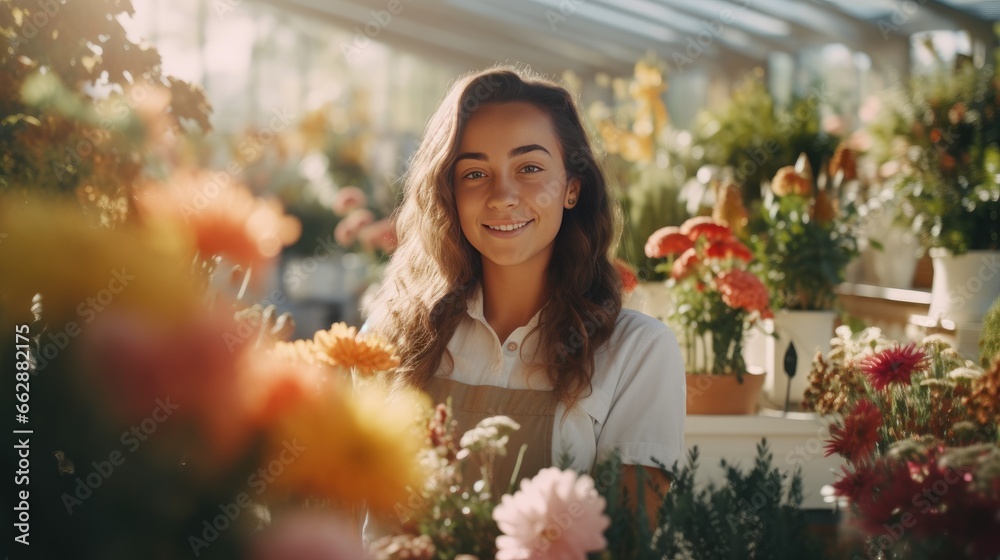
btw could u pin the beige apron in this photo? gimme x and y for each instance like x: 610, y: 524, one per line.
x: 534, y: 410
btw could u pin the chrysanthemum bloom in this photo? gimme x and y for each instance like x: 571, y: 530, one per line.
x: 629, y: 279
x: 340, y: 346
x: 743, y: 290
x: 224, y: 217
x: 685, y: 264
x: 348, y: 199
x: 856, y: 439
x: 893, y: 365
x: 556, y: 515
x: 667, y: 241
x: 704, y: 226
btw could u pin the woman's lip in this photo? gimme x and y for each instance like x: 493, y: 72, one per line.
x: 501, y: 233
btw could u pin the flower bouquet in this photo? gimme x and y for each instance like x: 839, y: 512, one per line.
x: 918, y: 428
x: 802, y: 241
x: 716, y: 297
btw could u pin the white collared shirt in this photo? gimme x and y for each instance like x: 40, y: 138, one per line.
x: 637, y: 404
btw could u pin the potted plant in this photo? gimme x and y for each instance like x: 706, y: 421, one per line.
x: 918, y: 426
x: 716, y: 299
x: 942, y: 139
x: 803, y: 247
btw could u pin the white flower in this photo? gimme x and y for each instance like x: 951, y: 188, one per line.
x: 490, y: 434
x: 964, y: 373
x: 557, y: 515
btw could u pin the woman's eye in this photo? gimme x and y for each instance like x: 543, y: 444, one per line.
x: 530, y: 168
x: 474, y: 175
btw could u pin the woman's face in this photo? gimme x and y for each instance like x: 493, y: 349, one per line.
x: 510, y: 184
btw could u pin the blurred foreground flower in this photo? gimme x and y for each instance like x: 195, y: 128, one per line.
x: 224, y: 217
x: 351, y: 448
x: 556, y: 515
x: 140, y: 268
x: 307, y: 536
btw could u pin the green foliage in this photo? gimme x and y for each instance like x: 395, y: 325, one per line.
x: 755, y: 137
x: 755, y: 514
x: 803, y: 258
x: 989, y: 343
x: 944, y: 131
x: 78, y: 101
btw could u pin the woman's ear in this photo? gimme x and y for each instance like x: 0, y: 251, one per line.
x: 572, y: 193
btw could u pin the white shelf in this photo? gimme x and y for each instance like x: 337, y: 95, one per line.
x: 796, y: 441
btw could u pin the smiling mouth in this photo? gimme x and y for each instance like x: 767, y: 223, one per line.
x: 510, y: 227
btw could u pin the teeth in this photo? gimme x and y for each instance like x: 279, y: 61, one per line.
x: 508, y: 228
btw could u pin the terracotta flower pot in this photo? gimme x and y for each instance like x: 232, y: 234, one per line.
x: 722, y: 394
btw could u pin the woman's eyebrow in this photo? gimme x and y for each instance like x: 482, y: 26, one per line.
x: 518, y: 151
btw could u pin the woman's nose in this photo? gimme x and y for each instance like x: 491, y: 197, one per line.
x: 503, y: 193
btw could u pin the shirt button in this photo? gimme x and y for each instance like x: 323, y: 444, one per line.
x: 512, y: 346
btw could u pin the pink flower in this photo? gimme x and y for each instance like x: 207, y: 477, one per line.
x: 557, y: 515
x: 307, y: 536
x: 379, y: 235
x: 346, y: 232
x: 348, y: 199
x: 893, y: 365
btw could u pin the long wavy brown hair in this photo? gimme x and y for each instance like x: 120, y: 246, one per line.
x: 434, y: 270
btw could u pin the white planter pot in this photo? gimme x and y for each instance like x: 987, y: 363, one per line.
x: 810, y: 332
x: 964, y: 286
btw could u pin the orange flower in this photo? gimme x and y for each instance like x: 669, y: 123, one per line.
x: 347, y: 446
x: 629, y: 279
x: 341, y: 346
x: 742, y: 289
x: 788, y: 181
x: 667, y: 241
x: 225, y: 218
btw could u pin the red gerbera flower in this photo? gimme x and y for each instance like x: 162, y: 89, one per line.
x: 629, y: 279
x: 729, y: 248
x: 703, y: 226
x: 856, y: 439
x: 684, y: 264
x: 893, y: 365
x: 667, y: 241
x: 856, y: 486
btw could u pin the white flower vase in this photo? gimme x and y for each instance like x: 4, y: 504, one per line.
x: 964, y: 286
x: 809, y: 332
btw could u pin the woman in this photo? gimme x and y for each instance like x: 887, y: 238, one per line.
x: 502, y: 294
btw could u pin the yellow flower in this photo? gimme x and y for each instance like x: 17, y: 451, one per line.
x: 295, y: 351
x: 341, y: 346
x: 347, y: 447
x: 50, y: 247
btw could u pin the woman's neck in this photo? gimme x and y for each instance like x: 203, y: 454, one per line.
x: 511, y: 296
